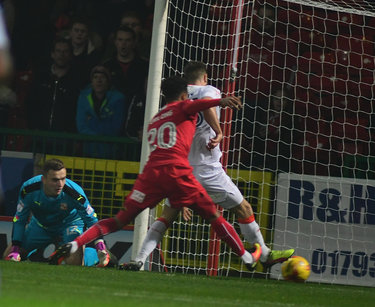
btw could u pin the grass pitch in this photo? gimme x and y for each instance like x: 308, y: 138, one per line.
x: 39, y: 284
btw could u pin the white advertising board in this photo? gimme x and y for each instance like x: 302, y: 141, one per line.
x: 331, y: 222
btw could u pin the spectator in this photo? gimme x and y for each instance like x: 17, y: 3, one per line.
x: 133, y: 20
x: 274, y: 133
x: 100, y: 111
x: 135, y: 116
x: 8, y: 100
x: 128, y: 70
x: 51, y: 102
x: 86, y: 46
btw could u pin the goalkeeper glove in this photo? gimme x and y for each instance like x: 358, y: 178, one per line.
x: 14, y: 254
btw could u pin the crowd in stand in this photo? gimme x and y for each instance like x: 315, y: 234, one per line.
x: 80, y: 66
x: 90, y: 59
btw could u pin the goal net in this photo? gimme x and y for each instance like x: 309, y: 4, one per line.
x: 301, y: 148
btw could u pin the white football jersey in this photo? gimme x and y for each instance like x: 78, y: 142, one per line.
x: 199, y: 154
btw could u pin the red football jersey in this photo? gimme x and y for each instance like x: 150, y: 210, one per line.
x: 171, y: 130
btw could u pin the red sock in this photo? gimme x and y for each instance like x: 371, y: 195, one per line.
x: 228, y: 234
x: 247, y: 220
x: 101, y: 228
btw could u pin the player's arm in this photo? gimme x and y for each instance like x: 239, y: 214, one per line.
x: 89, y: 217
x: 195, y: 106
x: 84, y: 209
x: 19, y: 223
x: 211, y: 118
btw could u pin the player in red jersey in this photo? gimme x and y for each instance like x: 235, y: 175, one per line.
x: 169, y: 174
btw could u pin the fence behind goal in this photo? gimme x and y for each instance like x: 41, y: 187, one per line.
x: 305, y: 70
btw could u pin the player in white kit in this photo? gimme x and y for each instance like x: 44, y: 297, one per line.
x: 204, y: 157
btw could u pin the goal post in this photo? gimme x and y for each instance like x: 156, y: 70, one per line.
x: 301, y: 150
x: 152, y: 106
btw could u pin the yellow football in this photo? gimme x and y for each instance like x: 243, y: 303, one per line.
x: 296, y: 269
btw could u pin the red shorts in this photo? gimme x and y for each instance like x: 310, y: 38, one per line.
x: 177, y: 183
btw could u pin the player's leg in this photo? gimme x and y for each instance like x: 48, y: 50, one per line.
x: 249, y: 227
x: 156, y: 233
x: 101, y: 228
x: 226, y: 232
x: 135, y: 203
x: 189, y: 192
x: 18, y: 253
x: 251, y: 231
x: 226, y: 194
x: 103, y: 257
x: 70, y: 231
x: 35, y: 239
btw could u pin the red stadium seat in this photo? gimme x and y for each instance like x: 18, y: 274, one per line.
x: 355, y: 44
x: 348, y: 23
x: 363, y: 88
x: 324, y: 84
x: 257, y: 70
x: 311, y: 40
x: 317, y: 62
x: 351, y: 129
x: 354, y: 63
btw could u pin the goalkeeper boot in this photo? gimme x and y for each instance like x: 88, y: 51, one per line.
x: 256, y: 252
x: 58, y: 256
x: 14, y: 254
x: 103, y: 254
x: 131, y: 266
x: 276, y: 256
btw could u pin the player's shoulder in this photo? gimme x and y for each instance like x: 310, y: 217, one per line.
x: 75, y: 191
x: 200, y: 91
x: 31, y: 185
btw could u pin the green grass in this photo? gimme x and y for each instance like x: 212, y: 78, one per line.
x: 38, y: 284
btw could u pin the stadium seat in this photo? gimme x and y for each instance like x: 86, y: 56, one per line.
x: 351, y: 129
x: 354, y: 44
x: 363, y: 88
x: 317, y: 62
x: 257, y: 70
x: 311, y: 40
x: 325, y: 84
x: 354, y: 63
x: 304, y: 17
x: 347, y: 23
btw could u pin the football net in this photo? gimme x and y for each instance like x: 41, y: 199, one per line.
x: 300, y: 149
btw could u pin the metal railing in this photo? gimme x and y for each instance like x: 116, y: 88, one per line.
x: 68, y: 144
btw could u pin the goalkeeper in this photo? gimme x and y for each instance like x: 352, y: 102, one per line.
x: 204, y: 157
x: 59, y: 209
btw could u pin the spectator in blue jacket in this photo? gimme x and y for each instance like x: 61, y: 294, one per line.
x: 101, y: 110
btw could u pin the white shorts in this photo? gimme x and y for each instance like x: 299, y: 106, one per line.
x: 218, y: 185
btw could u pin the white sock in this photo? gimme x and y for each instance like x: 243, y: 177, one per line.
x: 74, y: 247
x: 153, y: 237
x: 252, y: 234
x: 247, y: 258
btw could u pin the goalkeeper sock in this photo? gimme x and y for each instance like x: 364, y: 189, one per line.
x: 153, y: 237
x: 228, y: 234
x: 99, y: 245
x: 251, y: 232
x: 101, y: 228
